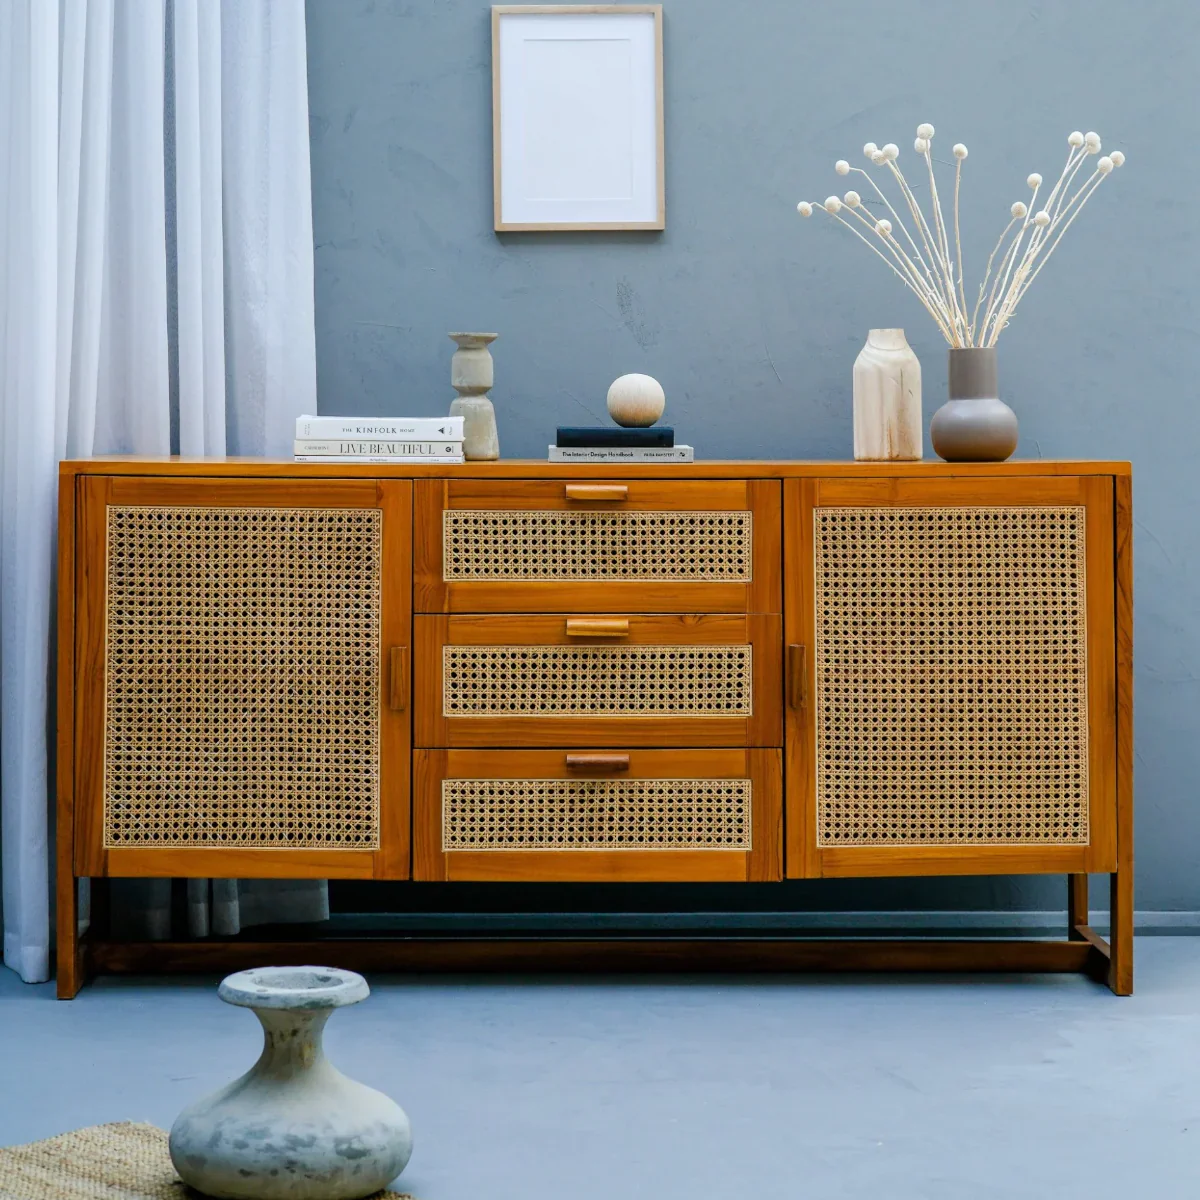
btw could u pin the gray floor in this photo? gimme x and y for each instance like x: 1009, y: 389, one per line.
x: 699, y: 1088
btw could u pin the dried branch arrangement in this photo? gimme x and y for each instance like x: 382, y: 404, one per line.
x: 931, y: 270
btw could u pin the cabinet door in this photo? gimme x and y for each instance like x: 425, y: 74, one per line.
x: 951, y: 676
x: 241, y: 677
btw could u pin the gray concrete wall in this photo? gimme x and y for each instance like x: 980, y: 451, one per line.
x: 751, y: 318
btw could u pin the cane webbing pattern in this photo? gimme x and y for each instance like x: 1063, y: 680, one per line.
x: 586, y: 814
x: 243, y: 677
x: 596, y: 681
x: 951, y: 681
x: 512, y: 545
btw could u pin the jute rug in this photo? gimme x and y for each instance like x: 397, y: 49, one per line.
x: 123, y: 1161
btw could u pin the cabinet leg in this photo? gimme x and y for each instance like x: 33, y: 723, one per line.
x: 1077, y: 904
x: 1120, y: 934
x: 69, y: 970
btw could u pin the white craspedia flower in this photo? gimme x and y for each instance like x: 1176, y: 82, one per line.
x: 921, y: 145
x: 960, y: 151
x: 879, y: 158
x: 925, y: 130
x: 883, y: 228
x: 832, y: 204
x: 852, y: 199
x: 1041, y: 218
x: 869, y: 150
x: 842, y: 167
x: 1092, y: 142
x: 804, y: 208
x: 1118, y: 159
x: 1019, y: 209
x: 891, y: 151
x: 1075, y: 139
x: 1034, y: 181
x: 1104, y: 165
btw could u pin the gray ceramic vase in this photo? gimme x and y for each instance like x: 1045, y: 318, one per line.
x: 974, y: 425
x: 293, y: 1127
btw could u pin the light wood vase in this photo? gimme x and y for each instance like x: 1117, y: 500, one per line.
x: 887, y: 399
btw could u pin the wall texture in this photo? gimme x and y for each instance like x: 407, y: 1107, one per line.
x: 751, y: 318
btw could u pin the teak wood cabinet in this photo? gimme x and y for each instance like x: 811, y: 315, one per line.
x: 523, y: 672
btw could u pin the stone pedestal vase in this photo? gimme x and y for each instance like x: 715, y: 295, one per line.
x: 293, y: 1127
x: 471, y: 377
x: 974, y: 425
x: 887, y: 399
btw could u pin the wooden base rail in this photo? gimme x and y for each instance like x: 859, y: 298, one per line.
x: 628, y: 954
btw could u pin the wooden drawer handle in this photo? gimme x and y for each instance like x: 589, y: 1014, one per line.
x: 797, y: 676
x: 398, y: 679
x: 597, y: 627
x: 598, y: 762
x: 597, y: 491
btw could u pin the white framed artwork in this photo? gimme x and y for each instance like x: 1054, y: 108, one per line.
x: 577, y: 116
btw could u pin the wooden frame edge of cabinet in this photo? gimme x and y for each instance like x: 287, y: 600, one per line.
x: 517, y: 468
x: 69, y: 966
x: 1121, y: 881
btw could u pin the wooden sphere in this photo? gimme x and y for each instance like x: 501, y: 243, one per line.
x: 636, y: 400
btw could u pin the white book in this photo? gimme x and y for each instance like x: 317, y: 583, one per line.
x: 620, y: 454
x: 375, y: 447
x: 422, y: 428
x: 378, y: 458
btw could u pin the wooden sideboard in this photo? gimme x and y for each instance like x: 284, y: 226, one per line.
x: 518, y: 671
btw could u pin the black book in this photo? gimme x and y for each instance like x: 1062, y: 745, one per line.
x: 607, y: 436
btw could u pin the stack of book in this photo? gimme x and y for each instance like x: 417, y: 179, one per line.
x: 613, y: 444
x: 379, y: 439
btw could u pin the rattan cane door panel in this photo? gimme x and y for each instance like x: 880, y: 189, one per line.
x: 632, y: 545
x: 563, y: 680
x: 583, y: 815
x: 238, y: 641
x: 958, y: 710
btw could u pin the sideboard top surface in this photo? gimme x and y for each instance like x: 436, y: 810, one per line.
x: 518, y: 468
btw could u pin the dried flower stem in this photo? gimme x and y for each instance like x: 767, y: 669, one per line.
x: 903, y: 262
x: 896, y: 217
x: 1097, y: 177
x: 935, y: 276
x: 1026, y: 274
x: 940, y: 282
x: 962, y: 295
x: 875, y: 250
x: 1001, y: 283
x: 940, y: 226
x: 988, y: 272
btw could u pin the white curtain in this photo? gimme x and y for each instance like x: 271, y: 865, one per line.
x: 156, y: 294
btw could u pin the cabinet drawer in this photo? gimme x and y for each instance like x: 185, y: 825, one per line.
x: 614, y: 815
x: 636, y: 545
x: 562, y: 680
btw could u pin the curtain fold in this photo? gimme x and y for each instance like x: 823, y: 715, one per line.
x: 271, y: 347
x: 199, y: 226
x: 156, y: 294
x: 28, y: 322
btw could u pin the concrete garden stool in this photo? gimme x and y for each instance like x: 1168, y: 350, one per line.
x: 293, y: 1127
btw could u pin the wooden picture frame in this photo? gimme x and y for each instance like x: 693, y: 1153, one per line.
x: 577, y: 125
